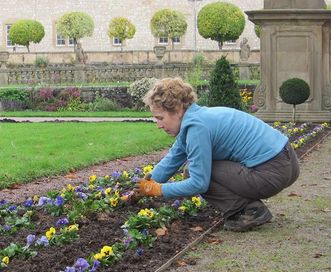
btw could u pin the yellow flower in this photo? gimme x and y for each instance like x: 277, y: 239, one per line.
x: 276, y: 124
x: 147, y: 169
x: 125, y: 174
x: 182, y: 208
x: 296, y: 129
x: 107, y: 191
x: 92, y: 178
x: 99, y: 256
x: 91, y: 186
x: 70, y: 187
x: 172, y: 179
x: 142, y: 213
x: 113, y: 201
x: 146, y: 212
x: 302, y: 140
x: 50, y: 233
x: 106, y: 177
x: 73, y: 227
x: 35, y: 198
x: 196, y: 201
x: 5, y: 260
x: 107, y: 250
x: 117, y: 193
x: 98, y: 195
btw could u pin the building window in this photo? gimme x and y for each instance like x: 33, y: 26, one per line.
x: 60, y: 40
x: 71, y: 41
x: 8, y: 41
x: 163, y: 40
x: 231, y: 42
x: 117, y: 41
x: 176, y: 40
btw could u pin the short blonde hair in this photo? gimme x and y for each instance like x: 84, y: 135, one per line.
x: 169, y: 94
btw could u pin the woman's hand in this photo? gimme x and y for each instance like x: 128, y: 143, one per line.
x: 148, y: 187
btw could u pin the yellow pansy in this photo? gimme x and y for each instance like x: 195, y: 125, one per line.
x: 182, y: 208
x: 146, y: 212
x: 99, y: 256
x: 70, y: 187
x: 142, y: 213
x: 35, y: 198
x: 91, y: 186
x: 196, y: 201
x: 125, y: 174
x: 73, y: 227
x: 92, y: 178
x: 107, y: 250
x: 50, y: 233
x: 98, y: 195
x: 5, y: 260
x: 107, y: 191
x: 113, y: 201
x: 117, y: 193
x: 147, y: 169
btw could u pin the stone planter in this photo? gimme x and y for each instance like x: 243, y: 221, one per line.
x: 4, y: 56
x: 159, y: 53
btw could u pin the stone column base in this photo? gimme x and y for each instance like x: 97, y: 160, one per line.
x: 307, y: 116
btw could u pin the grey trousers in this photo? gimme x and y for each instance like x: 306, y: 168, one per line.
x: 233, y: 186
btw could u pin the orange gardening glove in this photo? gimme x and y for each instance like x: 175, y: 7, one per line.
x: 148, y: 187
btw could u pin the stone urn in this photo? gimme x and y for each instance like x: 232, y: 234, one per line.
x: 4, y: 55
x: 159, y: 53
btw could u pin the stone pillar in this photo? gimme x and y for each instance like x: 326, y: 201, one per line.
x: 295, y: 42
x: 79, y: 73
x: 4, y: 55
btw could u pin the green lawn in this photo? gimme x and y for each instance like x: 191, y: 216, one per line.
x: 31, y: 150
x: 74, y: 114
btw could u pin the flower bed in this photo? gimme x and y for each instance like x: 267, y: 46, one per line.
x: 91, y: 227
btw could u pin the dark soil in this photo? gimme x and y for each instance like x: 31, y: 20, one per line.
x: 98, y: 230
x: 104, y: 229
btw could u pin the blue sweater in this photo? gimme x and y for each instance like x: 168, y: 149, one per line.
x: 218, y: 133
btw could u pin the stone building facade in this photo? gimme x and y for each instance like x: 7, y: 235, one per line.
x: 139, y: 12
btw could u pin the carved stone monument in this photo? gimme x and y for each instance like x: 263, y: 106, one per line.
x: 244, y: 54
x: 295, y: 42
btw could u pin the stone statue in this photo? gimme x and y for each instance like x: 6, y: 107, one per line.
x: 245, y: 50
x: 80, y: 54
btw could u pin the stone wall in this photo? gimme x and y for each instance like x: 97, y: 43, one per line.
x: 65, y: 74
x: 131, y: 57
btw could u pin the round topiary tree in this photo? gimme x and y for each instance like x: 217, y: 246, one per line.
x: 294, y: 91
x: 221, y: 22
x: 138, y: 89
x: 223, y: 90
x: 25, y: 31
x: 168, y: 23
x: 75, y: 25
x: 121, y: 28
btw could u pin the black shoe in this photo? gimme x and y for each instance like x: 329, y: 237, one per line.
x: 248, y: 218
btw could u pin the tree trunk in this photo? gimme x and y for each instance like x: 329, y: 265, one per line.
x: 293, y: 114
